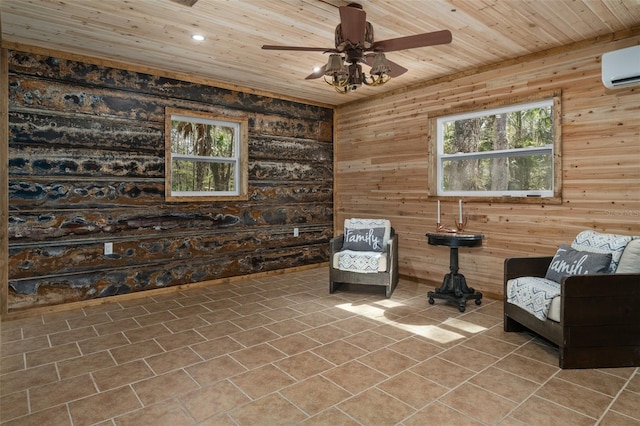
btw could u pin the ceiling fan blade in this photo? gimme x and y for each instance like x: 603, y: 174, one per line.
x: 299, y: 48
x: 395, y: 69
x: 317, y: 74
x: 188, y: 3
x: 353, y: 21
x: 411, y: 42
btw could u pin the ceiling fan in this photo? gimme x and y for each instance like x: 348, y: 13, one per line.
x: 354, y: 45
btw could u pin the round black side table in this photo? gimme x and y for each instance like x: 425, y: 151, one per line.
x: 454, y: 286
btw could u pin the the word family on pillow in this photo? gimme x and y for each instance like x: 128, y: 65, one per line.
x: 363, y: 239
x: 568, y: 261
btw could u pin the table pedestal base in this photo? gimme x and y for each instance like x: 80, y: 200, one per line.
x: 454, y: 288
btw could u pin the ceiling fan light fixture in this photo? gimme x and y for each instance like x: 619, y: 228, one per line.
x: 380, y: 65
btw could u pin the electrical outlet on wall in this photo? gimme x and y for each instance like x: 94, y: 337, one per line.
x: 296, y: 232
x: 108, y: 248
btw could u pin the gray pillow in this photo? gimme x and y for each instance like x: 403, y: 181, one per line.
x: 365, y: 239
x: 568, y: 261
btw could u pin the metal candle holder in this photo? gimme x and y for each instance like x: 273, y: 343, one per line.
x: 459, y: 227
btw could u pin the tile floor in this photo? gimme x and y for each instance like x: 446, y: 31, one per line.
x: 281, y: 350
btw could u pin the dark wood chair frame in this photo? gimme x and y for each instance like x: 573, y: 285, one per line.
x: 388, y: 279
x: 599, y: 316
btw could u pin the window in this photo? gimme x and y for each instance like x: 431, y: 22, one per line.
x: 206, y: 156
x: 506, y: 151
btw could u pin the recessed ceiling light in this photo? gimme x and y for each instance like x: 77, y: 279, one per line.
x: 317, y: 69
x: 197, y: 37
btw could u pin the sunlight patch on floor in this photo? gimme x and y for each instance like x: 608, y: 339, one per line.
x: 432, y: 332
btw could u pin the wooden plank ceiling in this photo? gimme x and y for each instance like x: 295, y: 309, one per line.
x: 157, y: 34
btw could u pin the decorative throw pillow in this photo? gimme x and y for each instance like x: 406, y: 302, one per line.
x: 568, y: 261
x: 363, y: 239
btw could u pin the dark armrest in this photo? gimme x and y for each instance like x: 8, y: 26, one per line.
x: 335, y: 244
x: 597, y: 285
x: 515, y: 267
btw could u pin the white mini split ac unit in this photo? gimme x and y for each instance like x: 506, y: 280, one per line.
x: 621, y: 68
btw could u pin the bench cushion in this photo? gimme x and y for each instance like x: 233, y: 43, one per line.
x: 597, y: 242
x: 360, y: 261
x: 534, y: 294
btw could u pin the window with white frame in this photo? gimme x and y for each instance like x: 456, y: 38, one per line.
x: 508, y: 151
x: 205, y: 156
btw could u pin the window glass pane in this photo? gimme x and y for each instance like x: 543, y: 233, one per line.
x: 506, y: 130
x: 490, y: 152
x: 202, y: 139
x: 189, y: 175
x: 521, y: 173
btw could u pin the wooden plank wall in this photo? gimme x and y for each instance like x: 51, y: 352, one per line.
x: 86, y: 166
x: 382, y: 164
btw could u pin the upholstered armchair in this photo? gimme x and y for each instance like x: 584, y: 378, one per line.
x: 366, y: 253
x: 585, y: 299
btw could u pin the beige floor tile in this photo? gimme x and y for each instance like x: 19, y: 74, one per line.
x: 103, y: 406
x: 116, y: 326
x: 416, y: 348
x: 102, y: 343
x: 539, y: 352
x: 583, y: 400
x: 412, y: 389
x: 527, y: 368
x: 294, y: 344
x: 490, y: 408
x: 303, y: 365
x: 185, y: 323
x: 25, y: 379
x: 24, y: 345
x: 258, y: 355
x: 163, y: 387
x: 72, y: 336
x: 179, y: 340
x: 443, y: 372
x: 13, y: 405
x: 262, y: 381
x: 505, y: 384
x: 128, y: 353
x: 56, y: 416
x: 270, y: 410
x: 213, y: 400
x: 536, y: 411
x: 12, y: 363
x: 215, y: 369
x: 216, y: 347
x: 354, y: 376
x: 339, y: 352
x: 146, y: 333
x: 172, y: 360
x: 121, y: 375
x: 628, y: 403
x: 56, y: 353
x: 60, y: 392
x: 288, y: 327
x: 376, y: 408
x: 332, y: 417
x: 440, y: 414
x: 387, y: 361
x: 44, y: 329
x: 369, y: 341
x: 169, y: 413
x: 315, y: 394
x: 282, y: 350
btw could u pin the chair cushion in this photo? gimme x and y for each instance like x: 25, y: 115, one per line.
x: 534, y: 294
x: 360, y: 261
x: 630, y: 259
x: 355, y: 223
x: 596, y: 242
x: 568, y: 261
